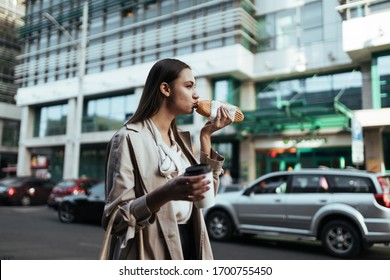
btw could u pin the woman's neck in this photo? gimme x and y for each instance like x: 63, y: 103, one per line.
x: 163, y: 124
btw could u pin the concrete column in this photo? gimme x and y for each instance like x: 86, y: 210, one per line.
x: 373, y: 145
x: 70, y: 134
x: 248, y: 96
x: 247, y: 147
x: 26, y: 132
x: 367, y: 85
x: 247, y: 160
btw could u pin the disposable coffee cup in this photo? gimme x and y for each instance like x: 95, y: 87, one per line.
x: 205, y: 169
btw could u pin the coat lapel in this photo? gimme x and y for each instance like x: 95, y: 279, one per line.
x: 146, y: 155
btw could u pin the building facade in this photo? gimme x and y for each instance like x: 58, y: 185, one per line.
x: 11, y: 13
x: 284, y: 63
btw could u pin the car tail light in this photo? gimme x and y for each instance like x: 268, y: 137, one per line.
x: 384, y: 197
x: 70, y: 190
x: 78, y: 190
x: 11, y: 191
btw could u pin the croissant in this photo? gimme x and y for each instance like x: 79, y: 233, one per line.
x: 206, y: 108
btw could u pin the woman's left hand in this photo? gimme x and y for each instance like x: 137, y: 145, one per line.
x: 222, y: 119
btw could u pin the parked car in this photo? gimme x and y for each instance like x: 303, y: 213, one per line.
x: 87, y: 207
x: 69, y: 187
x: 25, y: 190
x: 346, y: 210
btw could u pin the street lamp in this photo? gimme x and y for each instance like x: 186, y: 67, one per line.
x: 59, y: 27
x: 72, y: 158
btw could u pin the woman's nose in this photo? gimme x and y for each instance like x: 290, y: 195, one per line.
x: 195, y: 95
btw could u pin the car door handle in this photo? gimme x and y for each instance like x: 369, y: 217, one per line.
x: 323, y: 200
x: 278, y: 200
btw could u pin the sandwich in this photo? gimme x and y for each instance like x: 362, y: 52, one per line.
x: 208, y: 109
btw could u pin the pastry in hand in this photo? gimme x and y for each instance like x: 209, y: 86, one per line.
x: 208, y: 109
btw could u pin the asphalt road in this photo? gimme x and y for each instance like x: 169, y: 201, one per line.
x: 35, y: 233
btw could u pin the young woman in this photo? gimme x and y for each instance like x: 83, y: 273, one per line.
x: 150, y: 148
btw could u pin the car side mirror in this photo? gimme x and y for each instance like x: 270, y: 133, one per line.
x: 247, y: 192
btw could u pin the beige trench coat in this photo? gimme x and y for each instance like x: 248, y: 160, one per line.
x: 160, y: 231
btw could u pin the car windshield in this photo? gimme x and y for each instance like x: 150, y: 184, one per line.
x: 97, y: 189
x: 11, y: 181
x: 66, y: 184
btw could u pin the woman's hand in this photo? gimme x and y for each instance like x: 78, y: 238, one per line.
x: 189, y: 188
x: 222, y: 120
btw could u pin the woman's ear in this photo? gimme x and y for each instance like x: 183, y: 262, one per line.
x: 164, y: 88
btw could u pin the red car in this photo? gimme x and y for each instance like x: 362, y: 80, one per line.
x: 69, y: 187
x: 25, y: 190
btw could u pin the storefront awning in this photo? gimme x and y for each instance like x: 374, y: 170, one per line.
x: 296, y: 115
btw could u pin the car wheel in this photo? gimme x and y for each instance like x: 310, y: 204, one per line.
x: 66, y: 213
x: 26, y: 200
x: 219, y: 226
x: 341, y: 239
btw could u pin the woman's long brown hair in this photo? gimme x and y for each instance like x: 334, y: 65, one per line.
x: 166, y: 70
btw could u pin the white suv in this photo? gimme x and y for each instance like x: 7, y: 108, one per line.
x: 347, y: 210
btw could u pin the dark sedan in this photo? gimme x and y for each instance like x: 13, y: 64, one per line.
x: 69, y: 187
x: 25, y: 190
x: 86, y: 207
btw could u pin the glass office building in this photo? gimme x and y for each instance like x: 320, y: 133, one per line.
x: 11, y: 13
x: 84, y: 64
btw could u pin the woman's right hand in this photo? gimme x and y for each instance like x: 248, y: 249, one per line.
x: 189, y: 188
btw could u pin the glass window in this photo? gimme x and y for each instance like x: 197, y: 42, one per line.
x: 351, y: 184
x: 313, y: 90
x: 96, y: 26
x: 311, y: 22
x: 182, y: 4
x: 10, y: 135
x: 54, y: 157
x: 151, y: 10
x: 275, y: 184
x: 51, y: 120
x: 227, y: 90
x: 285, y: 25
x: 43, y: 42
x: 108, y: 113
x: 288, y: 28
x: 309, y: 184
x: 383, y: 63
x: 92, y: 160
x: 166, y: 7
x: 266, y: 30
x: 113, y: 21
x: 111, y: 46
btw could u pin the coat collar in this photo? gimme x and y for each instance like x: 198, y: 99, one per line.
x: 184, y: 135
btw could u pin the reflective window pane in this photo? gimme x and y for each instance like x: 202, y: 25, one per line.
x: 51, y: 120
